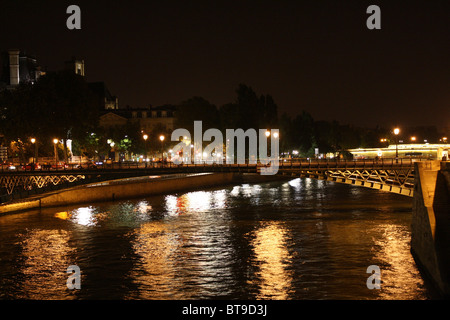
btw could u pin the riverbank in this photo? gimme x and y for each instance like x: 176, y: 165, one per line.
x: 128, y: 188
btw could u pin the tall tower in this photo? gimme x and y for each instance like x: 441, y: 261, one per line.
x: 14, y: 67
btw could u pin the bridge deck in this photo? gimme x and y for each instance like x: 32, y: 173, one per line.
x: 386, y: 174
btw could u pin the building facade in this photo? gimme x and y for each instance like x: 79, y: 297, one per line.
x: 149, y: 119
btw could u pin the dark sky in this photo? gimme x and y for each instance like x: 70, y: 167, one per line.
x: 313, y: 55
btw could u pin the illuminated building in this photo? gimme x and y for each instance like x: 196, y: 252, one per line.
x: 429, y: 151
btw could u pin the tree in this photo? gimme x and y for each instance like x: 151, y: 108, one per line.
x: 268, y: 117
x: 248, y: 108
x: 303, y: 133
x: 196, y: 109
x: 63, y: 107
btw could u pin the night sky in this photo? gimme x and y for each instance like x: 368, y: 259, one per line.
x: 316, y: 56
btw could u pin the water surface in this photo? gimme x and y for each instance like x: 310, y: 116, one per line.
x: 297, y: 239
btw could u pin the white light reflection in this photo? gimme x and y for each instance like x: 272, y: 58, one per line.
x: 235, y: 191
x: 219, y: 197
x: 246, y: 190
x: 199, y: 201
x: 295, y: 184
x: 84, y: 216
x: 143, y: 207
x: 171, y: 205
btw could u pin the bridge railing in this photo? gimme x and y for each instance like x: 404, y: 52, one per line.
x: 334, y: 163
x: 283, y: 163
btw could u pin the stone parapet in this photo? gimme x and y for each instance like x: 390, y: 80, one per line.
x: 430, y: 226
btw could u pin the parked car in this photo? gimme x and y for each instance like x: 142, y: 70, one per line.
x: 46, y: 166
x: 5, y: 166
x: 31, y: 166
x: 60, y: 165
x: 11, y: 167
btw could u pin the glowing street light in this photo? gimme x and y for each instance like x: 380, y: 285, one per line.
x: 396, y: 132
x: 55, y: 142
x: 145, y: 136
x: 33, y: 141
x: 275, y: 135
x: 161, y: 137
x: 267, y: 133
x: 413, y: 138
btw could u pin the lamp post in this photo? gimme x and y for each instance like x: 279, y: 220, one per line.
x: 33, y: 141
x: 161, y: 137
x: 145, y: 148
x: 55, y: 142
x: 267, y: 133
x: 396, y: 132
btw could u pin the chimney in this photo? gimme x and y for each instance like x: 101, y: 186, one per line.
x: 14, y: 67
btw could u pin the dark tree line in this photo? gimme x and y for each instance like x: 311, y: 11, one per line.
x: 301, y: 133
x: 61, y: 105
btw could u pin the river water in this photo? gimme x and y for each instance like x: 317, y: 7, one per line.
x: 293, y: 239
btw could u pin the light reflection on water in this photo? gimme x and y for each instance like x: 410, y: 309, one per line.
x: 300, y: 239
x: 272, y: 257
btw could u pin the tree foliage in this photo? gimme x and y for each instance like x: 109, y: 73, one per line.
x: 60, y: 105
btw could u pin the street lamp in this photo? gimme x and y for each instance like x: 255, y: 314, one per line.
x: 413, y: 138
x: 145, y: 147
x: 267, y: 133
x: 33, y: 141
x: 161, y: 137
x: 55, y: 142
x: 396, y: 132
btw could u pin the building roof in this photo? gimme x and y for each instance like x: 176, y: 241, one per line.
x: 128, y: 112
